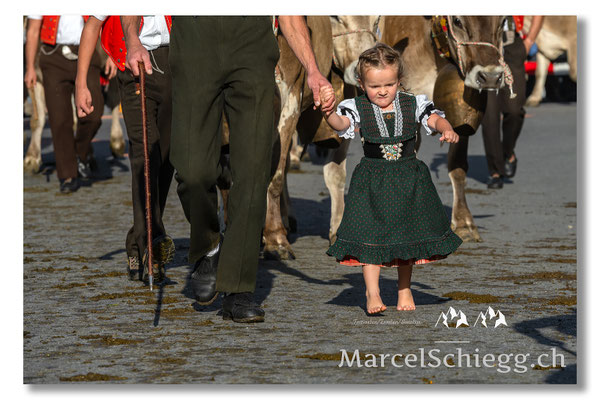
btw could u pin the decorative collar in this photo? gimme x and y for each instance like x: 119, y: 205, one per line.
x: 383, y: 130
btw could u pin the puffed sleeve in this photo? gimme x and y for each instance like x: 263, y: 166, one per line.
x: 425, y: 108
x: 348, y: 109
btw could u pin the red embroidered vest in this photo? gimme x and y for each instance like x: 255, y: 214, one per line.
x: 113, y: 39
x: 518, y: 22
x: 50, y: 28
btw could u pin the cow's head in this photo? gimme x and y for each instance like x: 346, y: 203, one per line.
x: 352, y: 35
x: 475, y: 44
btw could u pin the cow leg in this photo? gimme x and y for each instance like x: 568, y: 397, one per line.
x: 117, y: 143
x: 334, y: 174
x: 295, y: 152
x: 462, y: 220
x: 541, y: 72
x: 33, y: 156
x: 274, y: 234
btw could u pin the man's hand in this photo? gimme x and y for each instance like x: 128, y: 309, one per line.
x: 326, y: 96
x: 295, y: 31
x: 315, y: 82
x: 110, y: 69
x: 137, y: 53
x: 83, y: 101
x: 30, y: 78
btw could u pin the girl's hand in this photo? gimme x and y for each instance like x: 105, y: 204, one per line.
x: 326, y: 95
x: 449, y: 136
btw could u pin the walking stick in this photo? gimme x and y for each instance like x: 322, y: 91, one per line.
x: 146, y: 171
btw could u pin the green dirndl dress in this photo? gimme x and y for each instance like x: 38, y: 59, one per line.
x: 393, y: 214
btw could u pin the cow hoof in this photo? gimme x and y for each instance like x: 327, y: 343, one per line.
x: 468, y: 234
x: 532, y: 102
x: 278, y: 253
x: 332, y: 239
x: 117, y: 148
x: 32, y: 165
x: 294, y: 164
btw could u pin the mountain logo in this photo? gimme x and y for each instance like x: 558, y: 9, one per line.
x: 452, y: 314
x: 491, y: 315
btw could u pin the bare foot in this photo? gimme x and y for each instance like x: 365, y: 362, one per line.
x: 405, y: 300
x: 375, y: 304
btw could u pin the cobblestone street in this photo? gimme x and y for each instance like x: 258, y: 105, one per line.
x: 84, y: 321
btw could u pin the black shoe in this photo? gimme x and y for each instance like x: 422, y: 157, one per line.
x: 510, y: 167
x: 133, y: 268
x: 241, y: 308
x: 495, y: 182
x: 84, y: 171
x: 204, y: 279
x: 163, y: 251
x: 69, y: 185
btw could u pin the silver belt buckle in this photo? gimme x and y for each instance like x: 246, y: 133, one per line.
x: 68, y: 54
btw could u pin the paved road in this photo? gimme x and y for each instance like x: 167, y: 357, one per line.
x: 84, y: 321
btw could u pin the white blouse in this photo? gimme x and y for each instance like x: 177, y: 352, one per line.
x: 348, y: 108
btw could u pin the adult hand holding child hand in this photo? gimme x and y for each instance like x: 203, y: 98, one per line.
x: 327, y: 96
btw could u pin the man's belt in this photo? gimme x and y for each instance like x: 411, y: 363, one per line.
x: 390, y: 152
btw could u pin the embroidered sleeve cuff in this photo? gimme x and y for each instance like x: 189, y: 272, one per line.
x: 426, y: 118
x: 348, y: 109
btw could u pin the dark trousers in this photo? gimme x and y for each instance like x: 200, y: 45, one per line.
x: 224, y: 64
x: 158, y: 110
x: 59, y: 86
x: 499, y: 147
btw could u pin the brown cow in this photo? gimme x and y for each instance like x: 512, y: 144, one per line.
x: 558, y: 34
x: 295, y: 96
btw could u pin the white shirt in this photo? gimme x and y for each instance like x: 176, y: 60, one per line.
x: 69, y: 28
x: 155, y: 32
x: 349, y: 105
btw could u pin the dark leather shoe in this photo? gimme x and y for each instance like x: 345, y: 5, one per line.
x: 163, y: 251
x: 133, y: 268
x: 84, y: 170
x: 204, y: 279
x: 495, y: 183
x: 241, y: 308
x: 510, y: 167
x: 70, y: 185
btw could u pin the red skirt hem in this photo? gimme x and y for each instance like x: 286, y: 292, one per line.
x: 353, y: 262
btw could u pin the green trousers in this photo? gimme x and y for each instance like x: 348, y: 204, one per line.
x: 223, y: 65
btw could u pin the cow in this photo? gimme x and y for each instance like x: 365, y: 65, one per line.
x: 558, y: 35
x: 294, y: 96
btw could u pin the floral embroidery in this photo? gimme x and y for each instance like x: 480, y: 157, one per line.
x: 391, y: 152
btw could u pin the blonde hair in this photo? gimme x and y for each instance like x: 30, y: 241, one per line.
x: 379, y: 56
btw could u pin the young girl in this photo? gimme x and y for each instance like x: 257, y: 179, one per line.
x: 393, y: 215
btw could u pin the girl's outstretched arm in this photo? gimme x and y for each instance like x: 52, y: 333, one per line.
x: 442, y: 125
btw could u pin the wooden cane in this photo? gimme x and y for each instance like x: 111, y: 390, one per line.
x: 146, y: 171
